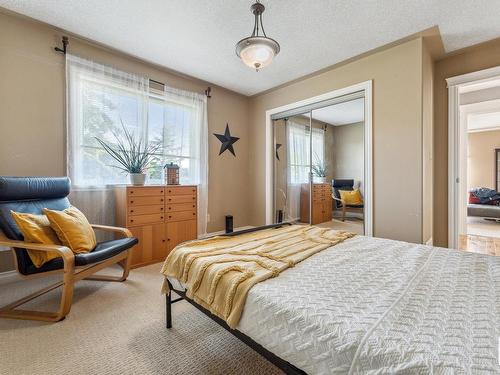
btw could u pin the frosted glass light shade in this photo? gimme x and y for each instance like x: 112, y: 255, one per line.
x: 257, y: 52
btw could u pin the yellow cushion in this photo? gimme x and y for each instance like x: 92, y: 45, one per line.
x: 36, y: 229
x: 351, y: 196
x: 72, y: 229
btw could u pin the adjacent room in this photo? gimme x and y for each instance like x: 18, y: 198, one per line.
x: 249, y: 187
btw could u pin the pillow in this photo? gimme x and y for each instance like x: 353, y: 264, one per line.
x: 473, y: 199
x: 72, y: 229
x: 36, y: 229
x: 351, y: 197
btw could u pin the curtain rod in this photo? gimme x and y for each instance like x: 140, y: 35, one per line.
x: 207, y: 91
x: 65, y: 43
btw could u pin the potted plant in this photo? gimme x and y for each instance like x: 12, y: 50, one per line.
x: 319, y: 172
x: 133, y: 155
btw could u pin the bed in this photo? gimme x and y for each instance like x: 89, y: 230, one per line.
x: 371, y: 305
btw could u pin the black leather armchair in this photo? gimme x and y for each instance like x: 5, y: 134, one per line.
x: 31, y: 195
x: 344, y: 184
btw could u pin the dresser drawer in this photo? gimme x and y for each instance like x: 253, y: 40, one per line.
x: 318, y: 189
x: 181, y: 190
x: 145, y: 191
x: 182, y: 215
x: 318, y: 197
x: 180, y: 199
x: 144, y: 210
x: 175, y: 207
x: 144, y: 219
x: 143, y: 201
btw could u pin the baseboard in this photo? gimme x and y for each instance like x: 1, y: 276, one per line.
x: 9, y: 276
x: 429, y: 242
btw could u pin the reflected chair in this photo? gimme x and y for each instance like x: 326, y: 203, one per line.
x: 32, y: 195
x: 344, y: 184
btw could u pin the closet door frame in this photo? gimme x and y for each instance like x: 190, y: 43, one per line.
x: 366, y: 87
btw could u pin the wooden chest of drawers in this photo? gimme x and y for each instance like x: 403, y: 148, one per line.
x: 321, y: 203
x: 161, y: 217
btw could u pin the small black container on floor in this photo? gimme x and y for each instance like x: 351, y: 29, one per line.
x: 229, y: 223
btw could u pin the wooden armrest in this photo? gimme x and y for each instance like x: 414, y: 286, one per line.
x: 337, y: 199
x: 65, y: 252
x: 106, y: 228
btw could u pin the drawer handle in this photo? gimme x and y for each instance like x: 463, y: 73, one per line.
x: 170, y: 191
x: 161, y: 191
x: 168, y: 239
x: 169, y: 199
x: 194, y: 206
x: 169, y: 216
x: 131, y: 211
x: 161, y: 217
x: 194, y: 213
x: 170, y: 208
x: 131, y: 201
x: 162, y: 240
x: 131, y: 220
x: 131, y: 192
x: 194, y: 198
x: 161, y: 200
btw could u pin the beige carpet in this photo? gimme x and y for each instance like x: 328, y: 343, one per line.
x: 350, y: 225
x: 119, y: 328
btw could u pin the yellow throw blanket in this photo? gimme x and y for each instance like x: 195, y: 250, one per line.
x: 219, y: 271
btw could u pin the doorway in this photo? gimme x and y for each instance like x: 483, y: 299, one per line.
x: 321, y: 161
x: 473, y: 162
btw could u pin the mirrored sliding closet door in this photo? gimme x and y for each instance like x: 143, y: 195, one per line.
x: 319, y: 171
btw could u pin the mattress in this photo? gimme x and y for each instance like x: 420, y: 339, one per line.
x: 483, y: 210
x: 378, y: 306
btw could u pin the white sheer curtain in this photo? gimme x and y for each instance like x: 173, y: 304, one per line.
x: 299, y: 160
x: 185, y: 138
x: 101, y: 101
x: 299, y: 154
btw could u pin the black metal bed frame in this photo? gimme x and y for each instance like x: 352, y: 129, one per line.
x: 287, y: 367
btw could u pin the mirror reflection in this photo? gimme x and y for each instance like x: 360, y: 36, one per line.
x: 319, y: 166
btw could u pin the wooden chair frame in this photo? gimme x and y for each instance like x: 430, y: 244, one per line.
x: 345, y: 208
x: 71, y: 275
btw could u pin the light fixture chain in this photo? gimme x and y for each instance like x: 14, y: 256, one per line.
x: 262, y: 26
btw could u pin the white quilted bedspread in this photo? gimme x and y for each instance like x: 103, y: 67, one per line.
x: 375, y: 306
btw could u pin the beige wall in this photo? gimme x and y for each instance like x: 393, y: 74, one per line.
x: 397, y: 134
x: 32, y: 128
x: 347, y: 152
x: 479, y: 57
x: 427, y: 144
x: 481, y: 159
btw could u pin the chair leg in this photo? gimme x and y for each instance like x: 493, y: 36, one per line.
x: 343, y: 212
x: 67, y: 284
x: 124, y: 263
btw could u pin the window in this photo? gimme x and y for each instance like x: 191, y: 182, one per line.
x: 102, y: 100
x: 299, y: 150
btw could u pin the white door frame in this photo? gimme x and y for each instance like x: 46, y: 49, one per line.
x: 457, y: 160
x: 368, y: 187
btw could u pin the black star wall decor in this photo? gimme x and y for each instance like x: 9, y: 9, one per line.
x: 227, y: 141
x: 278, y: 145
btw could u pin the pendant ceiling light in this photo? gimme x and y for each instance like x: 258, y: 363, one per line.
x: 257, y: 51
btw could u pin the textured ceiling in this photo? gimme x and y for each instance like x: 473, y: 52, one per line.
x: 341, y: 114
x: 197, y: 37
